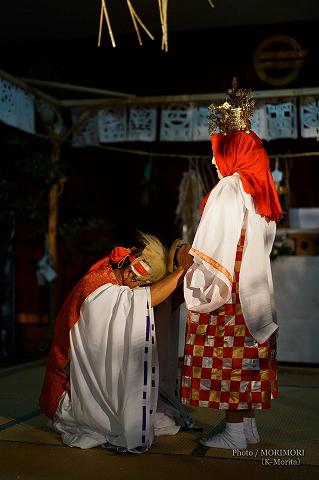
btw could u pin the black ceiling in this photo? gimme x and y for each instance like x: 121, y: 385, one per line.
x: 31, y: 20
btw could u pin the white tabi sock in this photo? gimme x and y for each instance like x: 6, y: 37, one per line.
x: 250, y: 429
x: 232, y: 437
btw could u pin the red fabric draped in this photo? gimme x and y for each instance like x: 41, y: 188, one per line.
x: 244, y: 153
x: 117, y: 255
x: 56, y: 379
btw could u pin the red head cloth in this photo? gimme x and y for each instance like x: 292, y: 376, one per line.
x: 119, y: 254
x: 244, y: 153
x: 116, y: 257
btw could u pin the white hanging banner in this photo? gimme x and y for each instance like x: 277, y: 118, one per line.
x: 200, y: 123
x: 282, y: 119
x: 142, y: 124
x: 112, y: 124
x: 25, y: 111
x: 16, y: 107
x: 309, y: 117
x: 176, y: 123
x: 87, y: 134
x: 259, y: 122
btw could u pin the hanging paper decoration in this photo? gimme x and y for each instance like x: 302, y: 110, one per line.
x: 259, y: 122
x: 200, y: 124
x: 16, y: 107
x: 45, y: 272
x: 112, y: 124
x: 142, y: 124
x: 8, y: 103
x: 87, y: 134
x: 282, y: 119
x: 309, y: 117
x: 277, y: 174
x: 176, y: 123
x: 25, y: 111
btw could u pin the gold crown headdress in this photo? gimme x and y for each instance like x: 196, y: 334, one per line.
x: 234, y: 114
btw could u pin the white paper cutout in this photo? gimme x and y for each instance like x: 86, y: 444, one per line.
x: 309, y: 117
x: 25, y: 111
x: 176, y: 123
x: 142, y: 124
x: 282, y: 119
x: 259, y: 122
x: 200, y: 123
x: 16, y: 107
x: 112, y: 123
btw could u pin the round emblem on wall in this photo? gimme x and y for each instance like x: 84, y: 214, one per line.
x: 278, y: 59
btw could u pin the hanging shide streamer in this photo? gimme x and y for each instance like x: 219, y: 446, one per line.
x: 136, y: 20
x: 104, y: 13
x: 162, y: 6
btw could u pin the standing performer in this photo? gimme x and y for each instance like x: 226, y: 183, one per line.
x: 102, y: 376
x: 229, y: 361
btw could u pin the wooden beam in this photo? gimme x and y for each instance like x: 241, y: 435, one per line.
x: 286, y: 92
x: 196, y: 98
x: 76, y: 88
x: 89, y: 103
x: 34, y: 91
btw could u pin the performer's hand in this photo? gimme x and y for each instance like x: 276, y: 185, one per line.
x: 184, y: 259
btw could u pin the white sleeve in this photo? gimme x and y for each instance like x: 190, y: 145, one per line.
x: 208, y: 282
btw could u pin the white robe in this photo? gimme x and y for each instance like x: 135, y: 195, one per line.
x: 114, y: 374
x: 208, y: 282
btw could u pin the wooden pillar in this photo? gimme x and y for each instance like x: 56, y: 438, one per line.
x: 52, y: 233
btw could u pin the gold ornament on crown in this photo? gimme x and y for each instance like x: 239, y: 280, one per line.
x: 234, y: 114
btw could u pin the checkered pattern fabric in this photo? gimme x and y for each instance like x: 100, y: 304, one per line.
x: 224, y: 367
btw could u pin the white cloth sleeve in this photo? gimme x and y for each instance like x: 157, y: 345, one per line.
x: 208, y: 282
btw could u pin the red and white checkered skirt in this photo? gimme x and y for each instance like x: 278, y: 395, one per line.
x: 224, y: 367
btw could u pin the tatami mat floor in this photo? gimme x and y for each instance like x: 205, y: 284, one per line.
x: 29, y: 450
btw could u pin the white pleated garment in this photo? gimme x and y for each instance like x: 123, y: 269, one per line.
x: 113, y: 372
x: 208, y: 282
